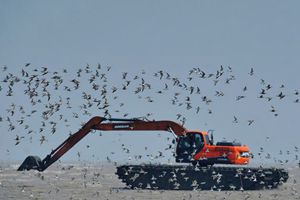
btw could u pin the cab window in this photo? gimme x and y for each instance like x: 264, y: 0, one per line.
x: 207, y: 139
x: 198, y: 140
x: 185, y: 143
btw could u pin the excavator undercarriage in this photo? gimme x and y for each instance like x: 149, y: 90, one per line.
x: 179, y: 177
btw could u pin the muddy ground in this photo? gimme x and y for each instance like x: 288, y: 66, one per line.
x: 96, y: 181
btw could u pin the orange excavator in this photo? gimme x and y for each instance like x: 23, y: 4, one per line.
x: 194, y: 147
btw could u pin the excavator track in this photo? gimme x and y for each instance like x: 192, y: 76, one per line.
x: 179, y: 177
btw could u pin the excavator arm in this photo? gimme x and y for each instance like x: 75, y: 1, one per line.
x: 140, y: 125
x: 96, y: 123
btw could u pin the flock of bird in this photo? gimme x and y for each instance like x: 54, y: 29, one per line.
x: 40, y: 102
x: 58, y: 98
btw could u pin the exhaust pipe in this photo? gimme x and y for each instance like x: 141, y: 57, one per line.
x: 32, y: 162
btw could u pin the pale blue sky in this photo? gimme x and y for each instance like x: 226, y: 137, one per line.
x: 174, y: 36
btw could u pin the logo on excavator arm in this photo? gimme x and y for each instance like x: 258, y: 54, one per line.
x: 121, y: 126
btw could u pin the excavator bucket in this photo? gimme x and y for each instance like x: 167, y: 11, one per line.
x: 31, y: 162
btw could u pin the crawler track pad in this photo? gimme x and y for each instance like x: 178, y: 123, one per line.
x: 178, y: 177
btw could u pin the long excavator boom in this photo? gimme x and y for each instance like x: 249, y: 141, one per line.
x: 95, y: 123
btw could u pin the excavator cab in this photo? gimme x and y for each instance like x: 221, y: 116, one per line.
x: 189, y: 145
x: 197, y: 148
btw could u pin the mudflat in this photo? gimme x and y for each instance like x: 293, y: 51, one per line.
x: 98, y: 181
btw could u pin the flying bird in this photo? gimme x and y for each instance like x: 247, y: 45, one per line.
x: 251, y: 72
